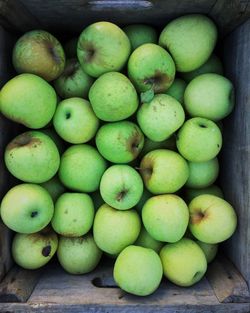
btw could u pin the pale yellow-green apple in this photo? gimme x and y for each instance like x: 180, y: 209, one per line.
x: 184, y: 263
x: 27, y: 208
x: 150, y: 67
x: 161, y: 117
x: 119, y: 142
x: 210, y: 96
x: 79, y: 255
x: 56, y: 138
x: 202, y: 174
x: 32, y: 157
x: 190, y: 39
x: 177, y: 89
x: 73, y: 82
x: 209, y: 249
x: 138, y: 270
x: 81, y: 168
x: 163, y: 171
x: 29, y: 100
x: 32, y: 251
x: 212, y: 219
x: 190, y: 193
x: 147, y: 241
x: 140, y: 34
x: 38, y: 52
x: 145, y: 196
x: 150, y: 145
x: 70, y: 48
x: 121, y: 186
x: 113, y: 97
x: 199, y: 140
x: 75, y: 120
x: 102, y: 47
x: 165, y: 217
x: 114, y: 230
x: 73, y: 215
x: 212, y: 65
x: 54, y: 187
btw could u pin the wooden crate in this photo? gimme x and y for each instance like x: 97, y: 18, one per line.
x: 225, y: 287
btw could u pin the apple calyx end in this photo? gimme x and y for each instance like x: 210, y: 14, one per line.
x: 197, y: 217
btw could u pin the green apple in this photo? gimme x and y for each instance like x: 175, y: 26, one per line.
x: 75, y: 120
x: 97, y: 199
x: 27, y: 208
x: 147, y: 241
x: 212, y: 219
x: 38, y: 52
x: 212, y: 65
x: 81, y: 168
x: 151, y: 67
x: 209, y: 249
x: 54, y: 187
x: 32, y: 251
x: 138, y: 270
x: 191, y: 193
x: 57, y: 139
x: 78, y: 255
x: 150, y: 145
x: 163, y: 171
x: 145, y: 196
x: 210, y: 96
x: 119, y: 142
x: 73, y: 82
x: 114, y: 230
x: 184, y: 262
x: 177, y: 89
x: 140, y: 34
x: 199, y: 140
x: 32, y: 157
x: 29, y: 100
x: 74, y: 214
x: 190, y: 39
x: 161, y: 117
x: 102, y: 47
x: 121, y: 187
x: 70, y: 48
x: 165, y: 217
x: 113, y: 97
x: 202, y: 174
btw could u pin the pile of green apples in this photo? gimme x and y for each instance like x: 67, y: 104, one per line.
x: 120, y: 152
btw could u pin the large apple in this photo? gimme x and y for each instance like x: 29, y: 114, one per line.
x: 212, y: 219
x: 138, y: 270
x: 32, y: 157
x: 38, y: 52
x: 147, y: 241
x: 190, y: 39
x: 114, y: 230
x: 177, y: 89
x: 126, y: 188
x: 190, y: 193
x: 54, y: 187
x: 140, y: 34
x: 113, y: 97
x: 29, y: 100
x: 102, y: 47
x: 119, y: 142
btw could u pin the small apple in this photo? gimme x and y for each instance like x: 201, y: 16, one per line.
x: 184, y: 263
x: 145, y: 240
x: 140, y: 34
x: 199, y: 140
x: 78, y: 255
x: 150, y: 145
x: 75, y: 120
x: 32, y: 157
x: 38, y: 52
x: 177, y: 89
x: 161, y: 117
x: 114, y: 230
x: 209, y: 249
x: 73, y: 82
x: 54, y: 187
x: 163, y: 171
x: 70, y: 48
x: 210, y: 96
x: 190, y: 39
x: 102, y: 47
x: 138, y: 270
x: 29, y: 100
x: 74, y: 214
x: 126, y: 188
x: 119, y: 142
x: 165, y: 217
x: 81, y: 168
x: 113, y: 97
x: 190, y: 193
x: 212, y: 219
x: 151, y: 67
